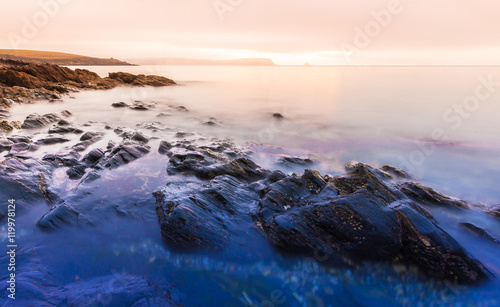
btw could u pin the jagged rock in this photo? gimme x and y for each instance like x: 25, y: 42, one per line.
x: 65, y: 128
x: 82, y: 146
x: 358, y: 216
x: 395, y: 172
x: 61, y: 215
x: 76, y: 172
x: 19, y: 139
x: 427, y: 196
x: 91, y: 135
x: 480, y: 232
x: 35, y: 121
x: 124, y: 154
x: 26, y: 182
x: 139, y: 137
x: 291, y: 161
x: 208, y: 167
x: 206, y: 218
x: 22, y: 150
x: 120, y: 104
x: 139, y: 107
x: 91, y: 176
x: 93, y: 157
x: 183, y: 134
x: 51, y: 140
x: 5, y: 144
x: 67, y: 157
x: 182, y: 109
x: 164, y: 147
x: 141, y: 80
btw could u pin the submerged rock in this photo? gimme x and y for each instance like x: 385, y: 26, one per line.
x: 495, y: 211
x: 164, y: 147
x: 50, y: 140
x: 76, y: 172
x: 278, y: 116
x: 61, y: 215
x: 428, y: 196
x: 480, y: 232
x: 291, y: 161
x: 124, y: 154
x: 120, y: 104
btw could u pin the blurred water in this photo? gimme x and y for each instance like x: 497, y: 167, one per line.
x: 333, y: 115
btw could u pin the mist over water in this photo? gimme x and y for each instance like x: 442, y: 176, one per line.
x: 376, y: 115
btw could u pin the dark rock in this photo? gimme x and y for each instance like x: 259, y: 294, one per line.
x: 19, y: 139
x: 278, y: 116
x: 63, y: 129
x: 93, y: 157
x: 427, y: 196
x: 67, y: 158
x: 207, y: 218
x: 61, y: 215
x: 139, y: 107
x: 26, y: 182
x: 141, y: 80
x: 91, y: 135
x: 183, y: 134
x: 51, y: 140
x: 119, y: 105
x: 395, y: 172
x: 82, y: 146
x: 76, y: 172
x: 164, y: 147
x: 110, y: 145
x: 22, y: 149
x: 290, y: 161
x: 5, y: 145
x: 124, y: 154
x: 63, y: 122
x: 205, y: 167
x: 90, y: 177
x: 357, y: 216
x: 211, y: 123
x: 480, y: 232
x: 139, y: 137
x: 182, y: 109
x: 162, y: 115
x: 35, y: 121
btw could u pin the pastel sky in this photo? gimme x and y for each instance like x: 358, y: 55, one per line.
x: 287, y: 31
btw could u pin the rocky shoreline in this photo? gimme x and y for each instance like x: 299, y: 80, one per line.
x: 23, y: 82
x: 220, y: 197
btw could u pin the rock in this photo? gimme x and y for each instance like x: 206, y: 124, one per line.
x: 357, y: 216
x: 427, y: 196
x: 93, y: 157
x: 82, y: 146
x: 139, y: 107
x: 91, y: 135
x: 206, y: 167
x: 35, y: 121
x: 22, y: 150
x: 51, y: 140
x: 26, y: 182
x: 139, y: 137
x: 59, y: 216
x: 164, y: 147
x: 210, y: 123
x: 5, y: 126
x: 5, y: 144
x: 278, y: 116
x: 90, y: 177
x: 119, y: 105
x: 140, y: 80
x: 124, y: 154
x: 480, y: 232
x: 66, y: 157
x: 162, y: 115
x: 183, y: 134
x: 65, y: 128
x: 76, y: 172
x: 19, y: 139
x: 182, y: 109
x: 292, y: 161
x: 206, y: 218
x: 495, y: 211
x: 395, y: 172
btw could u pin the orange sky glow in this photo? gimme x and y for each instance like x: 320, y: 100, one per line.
x: 322, y: 32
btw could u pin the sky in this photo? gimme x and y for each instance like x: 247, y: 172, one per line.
x: 328, y: 32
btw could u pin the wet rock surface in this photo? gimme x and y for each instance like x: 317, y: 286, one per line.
x: 351, y: 217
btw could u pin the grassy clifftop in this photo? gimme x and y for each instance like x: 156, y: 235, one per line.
x: 57, y: 58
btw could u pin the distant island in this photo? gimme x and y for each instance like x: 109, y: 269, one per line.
x: 186, y: 61
x: 58, y: 58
